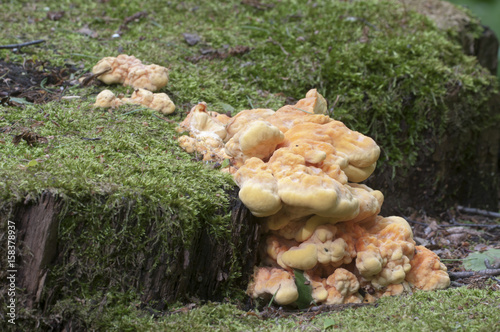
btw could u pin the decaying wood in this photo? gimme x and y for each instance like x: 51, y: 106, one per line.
x: 203, y: 270
x: 37, y: 225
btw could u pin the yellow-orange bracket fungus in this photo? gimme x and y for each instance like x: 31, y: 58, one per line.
x: 157, y: 101
x: 128, y: 70
x: 299, y: 171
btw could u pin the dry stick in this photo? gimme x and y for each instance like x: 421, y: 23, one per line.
x: 467, y: 274
x: 452, y: 225
x: 129, y: 19
x: 478, y: 211
x: 86, y: 81
x: 489, y: 266
x: 471, y: 225
x: 11, y: 46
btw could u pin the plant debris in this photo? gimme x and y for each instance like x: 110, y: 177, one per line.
x: 459, y: 239
x: 30, y: 137
x: 32, y: 81
x: 55, y: 16
x: 191, y: 38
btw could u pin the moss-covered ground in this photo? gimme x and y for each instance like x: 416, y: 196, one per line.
x: 459, y: 309
x: 381, y: 67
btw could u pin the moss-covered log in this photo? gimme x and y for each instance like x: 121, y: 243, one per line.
x: 158, y: 273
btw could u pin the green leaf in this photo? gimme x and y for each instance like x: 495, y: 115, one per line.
x: 225, y: 163
x: 32, y: 163
x: 304, y: 288
x: 328, y: 323
x: 475, y: 260
x: 227, y: 107
x: 20, y: 100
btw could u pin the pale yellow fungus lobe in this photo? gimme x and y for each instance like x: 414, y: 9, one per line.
x: 157, y: 101
x: 258, y: 188
x: 130, y: 71
x: 268, y: 282
x: 427, y: 272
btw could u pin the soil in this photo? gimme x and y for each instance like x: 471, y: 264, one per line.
x: 33, y: 82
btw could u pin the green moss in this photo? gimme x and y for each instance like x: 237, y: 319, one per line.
x: 391, y: 69
x: 453, y: 309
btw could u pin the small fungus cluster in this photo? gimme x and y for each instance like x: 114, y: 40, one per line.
x: 299, y: 171
x: 157, y: 101
x: 130, y: 71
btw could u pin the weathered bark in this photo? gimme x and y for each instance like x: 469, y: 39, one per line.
x: 203, y: 270
x: 36, y: 225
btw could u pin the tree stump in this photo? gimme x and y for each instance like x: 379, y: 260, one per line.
x: 205, y: 270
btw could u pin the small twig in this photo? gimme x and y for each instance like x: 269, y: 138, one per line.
x: 471, y: 225
x: 281, y: 46
x: 11, y: 46
x: 478, y: 211
x: 129, y: 19
x: 453, y: 225
x: 489, y: 266
x: 136, y: 16
x: 91, y: 139
x: 86, y: 81
x: 467, y: 274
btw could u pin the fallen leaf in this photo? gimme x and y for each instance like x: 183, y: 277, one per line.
x: 55, y: 16
x: 19, y: 100
x: 227, y: 107
x: 88, y: 32
x: 328, y: 323
x: 466, y: 230
x: 475, y: 260
x: 457, y: 238
x: 191, y: 38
